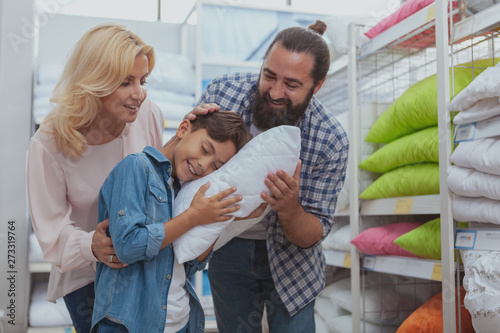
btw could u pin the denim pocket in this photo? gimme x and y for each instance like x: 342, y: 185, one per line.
x: 158, y: 204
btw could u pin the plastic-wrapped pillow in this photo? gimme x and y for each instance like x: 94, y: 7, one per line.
x: 276, y: 148
x: 482, y: 297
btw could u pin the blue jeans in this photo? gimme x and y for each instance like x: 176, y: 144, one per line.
x: 241, y: 283
x: 80, y: 304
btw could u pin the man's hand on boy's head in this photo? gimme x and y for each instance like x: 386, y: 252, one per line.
x: 201, y: 110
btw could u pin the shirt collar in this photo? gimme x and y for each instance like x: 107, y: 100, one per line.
x: 155, y: 154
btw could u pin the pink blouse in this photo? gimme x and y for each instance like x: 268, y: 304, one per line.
x: 63, y: 192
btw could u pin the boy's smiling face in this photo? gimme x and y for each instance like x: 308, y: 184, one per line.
x: 197, y: 154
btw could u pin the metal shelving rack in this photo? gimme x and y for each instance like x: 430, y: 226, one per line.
x: 376, y: 69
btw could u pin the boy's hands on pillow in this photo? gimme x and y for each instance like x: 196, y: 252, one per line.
x: 214, y: 208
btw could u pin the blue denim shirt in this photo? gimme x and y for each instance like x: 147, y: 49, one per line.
x: 137, y: 200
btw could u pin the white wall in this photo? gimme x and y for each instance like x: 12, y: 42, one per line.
x: 59, y: 33
x: 16, y: 73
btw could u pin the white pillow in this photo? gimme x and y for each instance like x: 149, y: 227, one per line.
x: 468, y: 209
x: 343, y: 324
x: 43, y: 313
x: 383, y: 304
x: 276, y: 148
x: 482, y: 155
x: 473, y: 183
x: 484, y: 109
x: 485, y: 85
x: 482, y: 287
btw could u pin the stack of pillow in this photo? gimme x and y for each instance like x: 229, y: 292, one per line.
x: 475, y: 180
x: 409, y: 159
x: 475, y: 175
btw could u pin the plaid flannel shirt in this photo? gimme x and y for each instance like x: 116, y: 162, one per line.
x: 298, y: 273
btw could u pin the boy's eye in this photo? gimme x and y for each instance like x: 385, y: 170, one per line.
x: 143, y: 83
x: 125, y: 83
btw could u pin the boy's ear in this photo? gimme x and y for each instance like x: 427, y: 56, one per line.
x: 184, y: 127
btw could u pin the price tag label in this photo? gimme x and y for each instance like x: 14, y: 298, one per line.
x: 369, y: 262
x: 437, y: 272
x: 465, y: 132
x: 366, y: 49
x: 463, y: 28
x: 403, y: 206
x: 431, y: 13
x: 465, y: 239
x: 347, y: 260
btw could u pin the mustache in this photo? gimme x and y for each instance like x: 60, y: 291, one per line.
x: 284, y: 101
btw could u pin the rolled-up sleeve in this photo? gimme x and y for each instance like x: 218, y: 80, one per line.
x: 123, y: 199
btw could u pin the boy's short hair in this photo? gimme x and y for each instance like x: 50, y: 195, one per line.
x: 223, y: 126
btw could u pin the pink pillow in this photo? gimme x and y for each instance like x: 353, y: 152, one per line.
x: 380, y: 240
x: 408, y: 8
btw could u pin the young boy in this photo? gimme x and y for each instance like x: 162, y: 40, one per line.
x: 152, y: 294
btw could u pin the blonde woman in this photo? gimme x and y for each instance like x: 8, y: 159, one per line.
x: 100, y: 115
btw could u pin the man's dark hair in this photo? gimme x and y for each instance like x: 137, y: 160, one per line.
x: 223, y: 126
x: 309, y: 41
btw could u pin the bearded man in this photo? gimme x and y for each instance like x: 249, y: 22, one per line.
x: 279, y: 263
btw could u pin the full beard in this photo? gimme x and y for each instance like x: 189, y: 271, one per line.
x: 266, y: 116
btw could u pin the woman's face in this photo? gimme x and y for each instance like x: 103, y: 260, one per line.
x: 124, y: 103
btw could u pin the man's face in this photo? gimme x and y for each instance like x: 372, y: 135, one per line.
x: 285, y: 88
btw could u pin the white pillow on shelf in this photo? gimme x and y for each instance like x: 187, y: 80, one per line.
x: 276, y: 148
x: 485, y: 85
x: 479, y: 209
x: 472, y: 183
x: 483, y: 109
x: 482, y: 155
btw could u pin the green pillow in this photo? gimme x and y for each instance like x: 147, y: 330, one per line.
x: 416, y: 108
x: 418, y: 147
x: 409, y: 180
x: 424, y: 241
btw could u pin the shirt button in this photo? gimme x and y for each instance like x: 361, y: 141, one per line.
x: 168, y: 187
x: 169, y: 277
x: 169, y: 169
x: 121, y: 212
x: 164, y: 307
x: 171, y: 246
x: 159, y: 197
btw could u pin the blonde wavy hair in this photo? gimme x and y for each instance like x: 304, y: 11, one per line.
x: 99, y: 63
